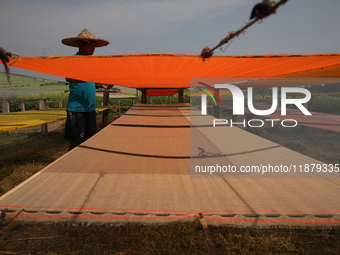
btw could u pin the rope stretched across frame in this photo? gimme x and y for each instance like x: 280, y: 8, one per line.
x: 207, y: 52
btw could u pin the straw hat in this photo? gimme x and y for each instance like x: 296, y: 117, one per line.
x: 85, y: 35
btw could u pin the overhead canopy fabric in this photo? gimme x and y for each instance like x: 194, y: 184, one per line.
x: 179, y: 71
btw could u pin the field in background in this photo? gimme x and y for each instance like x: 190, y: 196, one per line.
x: 25, y: 88
x: 23, y: 82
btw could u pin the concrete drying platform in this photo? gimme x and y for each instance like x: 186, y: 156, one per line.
x: 142, y: 169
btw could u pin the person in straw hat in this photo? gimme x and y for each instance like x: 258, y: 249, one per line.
x: 81, y: 112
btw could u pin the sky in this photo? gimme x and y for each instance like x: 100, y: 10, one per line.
x: 36, y: 27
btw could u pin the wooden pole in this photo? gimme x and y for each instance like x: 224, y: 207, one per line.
x: 5, y: 109
x: 181, y: 96
x: 22, y: 106
x: 42, y: 106
x: 5, y: 106
x: 144, y: 99
x: 119, y: 111
x: 106, y: 102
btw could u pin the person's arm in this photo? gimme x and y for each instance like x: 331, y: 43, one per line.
x: 104, y: 86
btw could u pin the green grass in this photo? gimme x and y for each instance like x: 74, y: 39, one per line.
x: 326, y: 104
x: 22, y: 82
x: 176, y: 238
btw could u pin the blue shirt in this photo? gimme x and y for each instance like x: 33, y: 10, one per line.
x: 82, y: 96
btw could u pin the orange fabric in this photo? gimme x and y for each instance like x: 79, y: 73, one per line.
x: 328, y: 72
x: 177, y: 71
